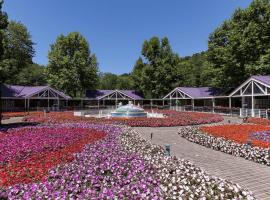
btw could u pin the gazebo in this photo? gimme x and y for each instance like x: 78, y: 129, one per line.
x: 17, y: 97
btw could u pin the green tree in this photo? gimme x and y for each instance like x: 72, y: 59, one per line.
x: 124, y: 82
x: 240, y: 46
x: 108, y: 81
x: 190, y: 70
x: 33, y: 74
x: 19, y: 52
x: 157, y: 75
x: 72, y: 68
x: 3, y: 68
x: 136, y: 75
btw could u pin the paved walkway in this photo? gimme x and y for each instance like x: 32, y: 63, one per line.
x: 12, y: 120
x: 248, y: 174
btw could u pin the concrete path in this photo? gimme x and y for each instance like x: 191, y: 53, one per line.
x: 12, y: 120
x: 248, y: 174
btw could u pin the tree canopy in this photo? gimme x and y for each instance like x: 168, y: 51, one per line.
x: 72, y: 67
x: 18, y: 55
x: 154, y: 74
x: 240, y: 46
x: 109, y: 81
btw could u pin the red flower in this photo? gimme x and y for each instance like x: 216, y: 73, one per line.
x: 237, y: 133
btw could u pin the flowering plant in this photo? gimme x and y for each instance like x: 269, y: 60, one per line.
x: 26, y: 154
x: 232, y: 144
x: 173, y: 118
x: 242, y: 134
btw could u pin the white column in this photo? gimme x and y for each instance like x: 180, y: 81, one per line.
x: 192, y: 102
x: 213, y: 104
x: 25, y: 104
x: 230, y: 102
x: 252, y: 100
x: 116, y: 100
x: 28, y: 104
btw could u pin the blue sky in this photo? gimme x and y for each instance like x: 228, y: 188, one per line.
x: 116, y: 29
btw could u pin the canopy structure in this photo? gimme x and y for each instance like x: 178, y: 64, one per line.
x: 254, y: 93
x: 192, y: 93
x: 113, y: 95
x: 254, y: 86
x: 34, y: 93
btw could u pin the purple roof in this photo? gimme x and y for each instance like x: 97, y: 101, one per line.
x: 99, y: 94
x: 18, y: 91
x: 200, y: 92
x: 264, y: 79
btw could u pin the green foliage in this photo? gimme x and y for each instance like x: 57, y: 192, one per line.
x: 18, y: 51
x: 240, y: 46
x: 109, y: 81
x: 32, y: 75
x: 3, y: 68
x: 156, y: 75
x: 72, y: 68
x: 191, y: 70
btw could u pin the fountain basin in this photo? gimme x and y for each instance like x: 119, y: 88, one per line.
x: 129, y: 111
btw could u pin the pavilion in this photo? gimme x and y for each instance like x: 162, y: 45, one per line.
x: 112, y: 97
x: 18, y: 98
x: 193, y: 96
x: 254, y: 95
x: 251, y: 98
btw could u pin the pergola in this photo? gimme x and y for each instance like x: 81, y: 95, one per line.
x: 190, y: 94
x: 30, y: 94
x: 254, y: 93
x: 112, y: 96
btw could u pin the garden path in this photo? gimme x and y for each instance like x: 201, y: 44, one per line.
x: 248, y: 174
x: 12, y: 120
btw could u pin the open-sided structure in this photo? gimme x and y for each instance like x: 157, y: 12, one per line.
x: 17, y: 97
x: 112, y: 97
x: 251, y: 98
x: 253, y: 94
x: 201, y: 96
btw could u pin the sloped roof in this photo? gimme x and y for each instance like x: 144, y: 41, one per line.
x: 264, y: 79
x: 200, y: 92
x: 100, y: 94
x: 18, y: 91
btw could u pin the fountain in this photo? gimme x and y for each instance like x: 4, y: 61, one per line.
x: 129, y: 111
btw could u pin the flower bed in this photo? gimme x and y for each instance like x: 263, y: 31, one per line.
x: 260, y: 121
x: 125, y: 166
x: 240, y: 133
x: 26, y: 154
x: 7, y: 115
x: 230, y: 139
x: 173, y: 118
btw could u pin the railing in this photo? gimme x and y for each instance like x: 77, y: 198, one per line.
x: 262, y: 113
x: 242, y: 112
